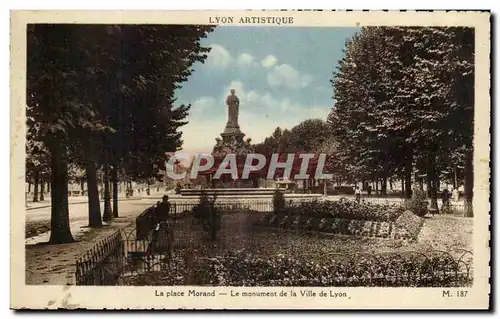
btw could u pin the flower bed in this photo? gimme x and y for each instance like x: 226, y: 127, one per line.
x: 347, y: 218
x: 390, y: 270
x: 408, y: 226
x: 345, y: 209
x: 342, y: 226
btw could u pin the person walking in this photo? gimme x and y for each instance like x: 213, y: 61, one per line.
x: 357, y: 193
x: 456, y: 194
x: 445, y: 197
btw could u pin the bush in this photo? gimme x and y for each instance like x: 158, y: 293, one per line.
x: 341, y: 226
x: 408, y: 226
x: 348, y: 218
x: 418, y: 203
x: 278, y: 201
x: 343, y: 190
x: 208, y: 214
x: 345, y: 209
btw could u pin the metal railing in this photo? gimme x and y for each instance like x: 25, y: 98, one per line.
x: 135, y: 249
x: 396, y: 269
x: 253, y: 205
x: 102, y: 264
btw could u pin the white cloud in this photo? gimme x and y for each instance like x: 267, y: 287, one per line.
x: 199, y: 134
x: 269, y: 61
x: 201, y: 105
x: 286, y: 75
x: 245, y: 59
x: 260, y: 113
x: 218, y: 57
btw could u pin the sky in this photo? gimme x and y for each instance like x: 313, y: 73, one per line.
x: 281, y: 76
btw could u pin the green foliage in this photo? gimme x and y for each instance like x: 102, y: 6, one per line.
x: 241, y: 268
x: 308, y: 135
x: 208, y: 214
x: 417, y: 204
x: 404, y: 94
x: 278, y: 142
x: 278, y: 201
x: 408, y: 225
x: 111, y: 88
x: 347, y: 209
x: 105, y: 94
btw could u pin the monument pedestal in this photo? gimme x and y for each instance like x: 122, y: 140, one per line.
x: 232, y: 142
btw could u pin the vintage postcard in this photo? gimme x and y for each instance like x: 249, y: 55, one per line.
x: 250, y: 160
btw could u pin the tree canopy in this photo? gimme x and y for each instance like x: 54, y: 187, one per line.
x: 103, y: 97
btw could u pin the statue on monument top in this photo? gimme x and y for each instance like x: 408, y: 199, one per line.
x: 233, y: 105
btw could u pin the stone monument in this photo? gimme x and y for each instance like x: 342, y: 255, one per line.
x: 232, y: 137
x: 232, y: 141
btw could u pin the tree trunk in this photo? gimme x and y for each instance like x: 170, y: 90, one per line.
x: 408, y: 172
x: 390, y: 184
x: 376, y: 186
x: 129, y: 187
x: 384, y: 186
x: 429, y: 186
x: 82, y: 186
x: 35, y: 191
x: 455, y: 177
x: 48, y: 187
x: 60, y: 232
x: 114, y: 178
x: 93, y: 195
x: 431, y: 179
x: 468, y: 183
x: 107, y: 216
x: 101, y: 190
x: 42, y: 188
x: 403, y: 185
x: 29, y: 188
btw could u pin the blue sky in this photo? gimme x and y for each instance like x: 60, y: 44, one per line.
x: 281, y: 75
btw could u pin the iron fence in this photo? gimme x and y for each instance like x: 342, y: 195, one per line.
x: 407, y: 269
x: 102, y: 264
x: 179, y: 208
x: 144, y: 247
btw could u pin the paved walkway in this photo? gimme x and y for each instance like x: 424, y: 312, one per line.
x: 55, y: 264
x: 30, y: 205
x: 46, y: 203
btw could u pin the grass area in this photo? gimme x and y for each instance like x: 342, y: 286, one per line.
x: 239, y: 235
x: 36, y: 227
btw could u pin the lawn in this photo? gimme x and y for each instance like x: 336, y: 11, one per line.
x: 241, y: 241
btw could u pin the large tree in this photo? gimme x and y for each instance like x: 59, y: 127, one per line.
x: 54, y: 112
x: 102, y: 96
x: 404, y: 100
